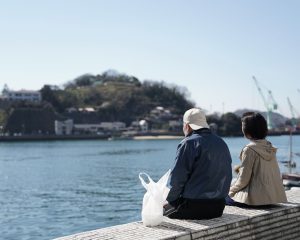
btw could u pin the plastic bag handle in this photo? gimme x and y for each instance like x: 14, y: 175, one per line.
x: 143, y: 181
x: 164, y: 179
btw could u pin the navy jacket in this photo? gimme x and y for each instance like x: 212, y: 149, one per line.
x: 202, y: 168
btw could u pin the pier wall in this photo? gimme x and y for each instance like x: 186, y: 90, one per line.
x: 281, y: 221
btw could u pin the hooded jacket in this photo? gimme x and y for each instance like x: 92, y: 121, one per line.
x: 259, y: 181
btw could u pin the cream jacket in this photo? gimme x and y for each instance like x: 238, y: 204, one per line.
x: 259, y: 180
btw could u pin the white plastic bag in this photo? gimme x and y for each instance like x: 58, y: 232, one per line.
x: 154, y: 199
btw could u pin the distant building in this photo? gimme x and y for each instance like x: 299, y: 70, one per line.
x: 144, y: 125
x: 139, y: 126
x: 160, y: 113
x: 63, y: 127
x: 135, y: 126
x: 25, y: 95
x: 175, y: 125
x: 86, y: 128
x: 114, y: 126
x: 86, y: 109
x: 99, y: 128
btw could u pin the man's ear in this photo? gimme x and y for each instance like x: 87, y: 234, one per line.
x: 189, y: 128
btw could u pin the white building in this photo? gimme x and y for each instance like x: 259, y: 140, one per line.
x: 160, y: 112
x: 143, y: 125
x: 87, y: 109
x: 103, y: 126
x: 25, y: 95
x: 87, y: 128
x: 63, y: 127
x: 139, y: 126
x: 115, y: 126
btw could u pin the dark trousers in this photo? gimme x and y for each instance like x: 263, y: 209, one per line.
x: 230, y: 202
x: 195, y: 209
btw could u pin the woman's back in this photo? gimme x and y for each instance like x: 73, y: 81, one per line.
x: 265, y: 184
x: 259, y: 180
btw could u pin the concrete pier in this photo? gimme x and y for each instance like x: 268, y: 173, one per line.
x: 279, y: 222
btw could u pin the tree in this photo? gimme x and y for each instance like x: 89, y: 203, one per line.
x: 49, y: 95
x: 3, y: 117
x: 84, y: 80
x: 231, y: 125
x: 161, y: 95
x: 31, y: 120
x: 5, y: 89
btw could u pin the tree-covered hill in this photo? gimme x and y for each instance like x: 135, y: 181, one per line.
x: 109, y: 97
x: 116, y: 97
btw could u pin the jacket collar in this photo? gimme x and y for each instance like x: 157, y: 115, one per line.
x: 199, y: 131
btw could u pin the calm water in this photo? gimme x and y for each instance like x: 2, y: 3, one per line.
x: 51, y: 189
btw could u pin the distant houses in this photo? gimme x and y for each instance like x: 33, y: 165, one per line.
x: 101, y: 128
x: 63, y: 127
x: 142, y: 126
x: 21, y: 95
x: 34, y: 119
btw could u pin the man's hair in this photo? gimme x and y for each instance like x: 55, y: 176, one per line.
x: 254, y: 125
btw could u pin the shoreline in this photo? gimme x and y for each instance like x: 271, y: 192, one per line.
x: 25, y: 138
x: 158, y: 137
x: 149, y: 136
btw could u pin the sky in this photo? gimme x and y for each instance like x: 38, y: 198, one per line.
x: 213, y: 48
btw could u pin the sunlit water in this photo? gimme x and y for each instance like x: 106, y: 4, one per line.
x: 56, y: 188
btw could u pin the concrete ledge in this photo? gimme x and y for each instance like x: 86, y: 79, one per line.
x: 279, y: 222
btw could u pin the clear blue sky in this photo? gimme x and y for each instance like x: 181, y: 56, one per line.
x: 210, y: 47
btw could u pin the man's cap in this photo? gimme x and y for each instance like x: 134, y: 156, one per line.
x: 196, y: 119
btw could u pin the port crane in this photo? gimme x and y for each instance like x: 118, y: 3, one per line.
x: 270, y: 105
x: 290, y: 163
x: 293, y: 113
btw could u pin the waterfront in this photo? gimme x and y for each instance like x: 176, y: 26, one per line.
x: 55, y: 188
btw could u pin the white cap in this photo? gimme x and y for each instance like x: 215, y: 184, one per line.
x: 195, y: 117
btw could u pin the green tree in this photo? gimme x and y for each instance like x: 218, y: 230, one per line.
x: 161, y: 95
x: 231, y: 125
x: 49, y: 95
x: 3, y: 117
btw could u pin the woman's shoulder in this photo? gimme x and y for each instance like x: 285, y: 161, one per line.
x: 247, y: 151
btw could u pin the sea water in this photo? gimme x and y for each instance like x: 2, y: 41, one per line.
x: 55, y: 188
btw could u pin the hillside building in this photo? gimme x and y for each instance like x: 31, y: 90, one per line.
x: 63, y: 127
x: 99, y: 128
x: 21, y: 95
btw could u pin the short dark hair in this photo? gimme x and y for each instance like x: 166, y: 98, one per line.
x: 254, y: 125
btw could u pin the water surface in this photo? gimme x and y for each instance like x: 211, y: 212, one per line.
x: 56, y: 188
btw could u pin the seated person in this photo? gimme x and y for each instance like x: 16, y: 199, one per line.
x: 259, y: 180
x: 202, y: 174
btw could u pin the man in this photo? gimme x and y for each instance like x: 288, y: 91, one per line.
x: 201, y: 177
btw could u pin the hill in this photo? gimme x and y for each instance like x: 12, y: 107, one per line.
x: 278, y: 120
x: 115, y: 97
x: 111, y: 97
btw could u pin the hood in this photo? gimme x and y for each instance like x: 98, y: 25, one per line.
x: 263, y: 148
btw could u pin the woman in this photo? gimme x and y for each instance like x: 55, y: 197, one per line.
x: 259, y: 181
